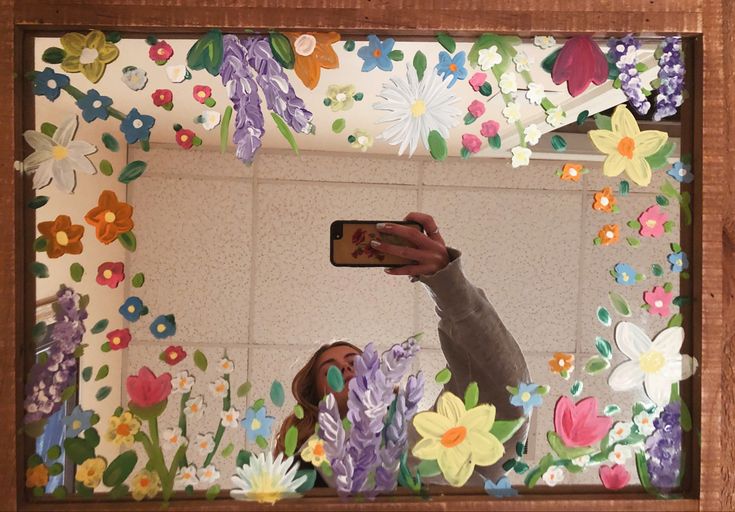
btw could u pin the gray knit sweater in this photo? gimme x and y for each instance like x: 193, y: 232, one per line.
x: 477, y: 347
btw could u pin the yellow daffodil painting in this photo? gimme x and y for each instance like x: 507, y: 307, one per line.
x: 87, y: 54
x: 627, y: 147
x: 456, y: 438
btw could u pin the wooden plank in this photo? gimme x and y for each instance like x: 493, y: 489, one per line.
x: 179, y: 15
x: 407, y: 18
x: 711, y: 161
x: 599, y: 6
x: 728, y: 204
x: 10, y: 313
x: 393, y: 504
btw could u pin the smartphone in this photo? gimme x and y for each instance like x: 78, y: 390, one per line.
x: 349, y: 243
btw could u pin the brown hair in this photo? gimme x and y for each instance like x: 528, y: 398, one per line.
x: 308, y: 397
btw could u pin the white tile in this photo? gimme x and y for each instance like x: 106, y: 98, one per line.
x: 497, y: 173
x: 172, y: 160
x: 300, y: 298
x: 522, y: 248
x: 194, y: 247
x: 268, y: 364
x: 341, y: 167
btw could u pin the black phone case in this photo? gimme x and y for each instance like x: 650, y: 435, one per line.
x: 366, y: 265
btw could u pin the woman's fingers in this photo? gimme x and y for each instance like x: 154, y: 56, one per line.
x: 409, y: 253
x: 426, y: 220
x: 429, y: 253
x: 412, y: 235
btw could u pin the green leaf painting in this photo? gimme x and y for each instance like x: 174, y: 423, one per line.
x: 281, y: 49
x: 132, y: 171
x: 200, y: 360
x: 207, y: 53
x: 620, y: 304
x: 285, y: 131
x: 277, y: 394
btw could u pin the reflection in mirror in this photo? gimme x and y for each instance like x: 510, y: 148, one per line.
x: 196, y: 331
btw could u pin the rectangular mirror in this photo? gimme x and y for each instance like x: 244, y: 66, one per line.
x: 193, y: 336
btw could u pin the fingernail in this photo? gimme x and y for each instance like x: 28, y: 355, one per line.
x: 374, y: 243
x: 387, y: 271
x: 380, y: 225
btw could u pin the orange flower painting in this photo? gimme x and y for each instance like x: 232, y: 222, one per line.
x: 312, y: 52
x: 62, y: 237
x: 110, y: 217
x: 609, y: 234
x: 37, y: 476
x: 571, y: 172
x: 562, y: 363
x: 604, y: 200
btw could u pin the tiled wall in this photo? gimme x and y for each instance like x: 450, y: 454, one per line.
x: 240, y: 255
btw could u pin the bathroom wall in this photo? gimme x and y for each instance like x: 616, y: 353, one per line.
x: 240, y: 255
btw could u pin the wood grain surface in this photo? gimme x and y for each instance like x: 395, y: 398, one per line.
x: 713, y: 325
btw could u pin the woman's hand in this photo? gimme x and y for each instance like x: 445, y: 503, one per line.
x: 430, y: 253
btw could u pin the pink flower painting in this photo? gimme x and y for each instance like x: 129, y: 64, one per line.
x: 652, y: 222
x: 471, y: 143
x: 578, y: 424
x: 489, y: 129
x: 476, y: 108
x: 477, y: 80
x: 658, y: 301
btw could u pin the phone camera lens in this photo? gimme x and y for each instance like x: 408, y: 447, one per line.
x: 338, y: 237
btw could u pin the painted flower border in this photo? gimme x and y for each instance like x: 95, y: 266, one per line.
x: 226, y: 55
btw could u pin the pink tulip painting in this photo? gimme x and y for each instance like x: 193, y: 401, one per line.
x: 146, y: 390
x: 578, y: 424
x: 580, y: 63
x: 614, y: 477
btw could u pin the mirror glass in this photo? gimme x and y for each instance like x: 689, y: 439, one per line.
x: 202, y: 325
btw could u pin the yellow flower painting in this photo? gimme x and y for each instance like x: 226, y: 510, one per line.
x: 458, y: 439
x: 88, y: 55
x: 627, y: 147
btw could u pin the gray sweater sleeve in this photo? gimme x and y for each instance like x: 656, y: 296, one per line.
x: 478, y: 347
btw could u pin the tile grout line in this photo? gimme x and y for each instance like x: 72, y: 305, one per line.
x: 253, y: 273
x: 580, y: 271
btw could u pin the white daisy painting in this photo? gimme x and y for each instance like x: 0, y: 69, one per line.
x: 416, y: 108
x: 266, y: 480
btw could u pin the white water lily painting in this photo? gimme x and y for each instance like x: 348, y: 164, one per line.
x: 656, y: 364
x: 58, y: 157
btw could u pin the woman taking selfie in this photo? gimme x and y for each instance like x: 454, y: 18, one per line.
x: 475, y: 342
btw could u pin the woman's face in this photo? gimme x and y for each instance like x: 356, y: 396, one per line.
x: 342, y: 357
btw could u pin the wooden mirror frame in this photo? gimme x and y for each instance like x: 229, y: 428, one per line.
x: 713, y: 325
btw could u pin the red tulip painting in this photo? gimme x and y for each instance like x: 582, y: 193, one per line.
x: 580, y: 63
x: 147, y: 390
x: 578, y: 424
